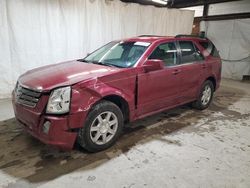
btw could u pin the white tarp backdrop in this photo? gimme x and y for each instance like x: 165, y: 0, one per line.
x: 34, y: 33
x: 232, y: 38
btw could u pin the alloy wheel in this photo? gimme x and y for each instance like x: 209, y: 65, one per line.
x: 103, y: 128
x: 206, y: 95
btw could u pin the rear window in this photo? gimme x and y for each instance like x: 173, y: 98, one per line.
x: 210, y: 48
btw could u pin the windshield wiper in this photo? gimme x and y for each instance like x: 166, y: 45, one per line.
x: 83, y: 60
x: 106, y: 64
x: 99, y: 63
x: 88, y: 61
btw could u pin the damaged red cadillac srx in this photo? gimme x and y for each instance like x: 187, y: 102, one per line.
x: 89, y: 100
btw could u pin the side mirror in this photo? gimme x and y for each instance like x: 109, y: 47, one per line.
x: 153, y: 65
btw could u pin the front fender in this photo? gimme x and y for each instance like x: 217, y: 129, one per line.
x: 83, y: 98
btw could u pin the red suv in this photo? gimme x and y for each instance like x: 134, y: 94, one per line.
x: 89, y: 100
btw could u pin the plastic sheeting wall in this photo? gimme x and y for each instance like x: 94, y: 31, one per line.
x: 232, y: 38
x: 38, y: 32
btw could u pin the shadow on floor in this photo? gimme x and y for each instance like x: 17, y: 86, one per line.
x: 25, y: 157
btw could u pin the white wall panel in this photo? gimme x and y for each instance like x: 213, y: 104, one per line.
x: 232, y: 38
x: 242, y: 6
x: 198, y: 10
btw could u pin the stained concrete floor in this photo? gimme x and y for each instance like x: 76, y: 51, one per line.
x: 182, y: 147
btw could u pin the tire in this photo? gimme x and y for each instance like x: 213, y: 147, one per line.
x: 102, y: 127
x: 205, y: 97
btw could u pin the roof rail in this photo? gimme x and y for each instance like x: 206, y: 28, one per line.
x: 150, y: 36
x: 194, y: 36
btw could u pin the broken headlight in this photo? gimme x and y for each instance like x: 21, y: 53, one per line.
x: 59, y: 101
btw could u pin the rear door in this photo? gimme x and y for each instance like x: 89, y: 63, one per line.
x: 160, y: 89
x: 191, y: 70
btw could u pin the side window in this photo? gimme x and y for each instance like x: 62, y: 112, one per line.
x: 210, y: 48
x: 188, y: 52
x: 166, y: 52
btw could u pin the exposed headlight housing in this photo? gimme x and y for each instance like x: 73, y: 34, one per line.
x: 59, y: 101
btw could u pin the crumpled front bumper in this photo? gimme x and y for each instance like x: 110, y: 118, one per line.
x: 60, y: 132
x: 58, y: 135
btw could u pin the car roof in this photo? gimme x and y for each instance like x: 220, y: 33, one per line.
x: 147, y: 38
x: 154, y: 38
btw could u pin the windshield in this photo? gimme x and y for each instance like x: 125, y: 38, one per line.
x: 119, y: 54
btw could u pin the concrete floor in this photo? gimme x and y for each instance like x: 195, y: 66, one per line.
x: 178, y: 148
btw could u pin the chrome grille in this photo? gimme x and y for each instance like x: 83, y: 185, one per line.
x: 26, y: 97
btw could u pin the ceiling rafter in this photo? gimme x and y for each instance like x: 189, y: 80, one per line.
x: 178, y: 3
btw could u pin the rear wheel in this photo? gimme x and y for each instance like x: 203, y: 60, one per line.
x: 102, y: 127
x: 205, y: 96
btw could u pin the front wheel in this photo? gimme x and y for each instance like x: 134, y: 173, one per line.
x: 205, y: 96
x: 102, y: 127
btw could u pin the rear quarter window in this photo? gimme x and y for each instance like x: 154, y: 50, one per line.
x: 189, y: 52
x: 210, y: 48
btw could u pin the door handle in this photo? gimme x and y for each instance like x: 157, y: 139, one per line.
x: 176, y: 71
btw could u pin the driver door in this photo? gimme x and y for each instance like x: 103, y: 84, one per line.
x: 158, y: 90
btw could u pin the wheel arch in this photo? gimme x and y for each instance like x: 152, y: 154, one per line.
x: 121, y: 103
x: 118, y: 100
x: 213, y: 80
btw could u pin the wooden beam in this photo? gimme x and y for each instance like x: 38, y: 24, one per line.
x: 225, y: 17
x: 177, y: 3
x: 205, y: 10
x: 186, y: 3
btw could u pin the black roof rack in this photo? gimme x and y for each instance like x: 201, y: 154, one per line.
x: 194, y: 36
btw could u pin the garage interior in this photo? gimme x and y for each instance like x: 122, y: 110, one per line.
x: 181, y: 147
